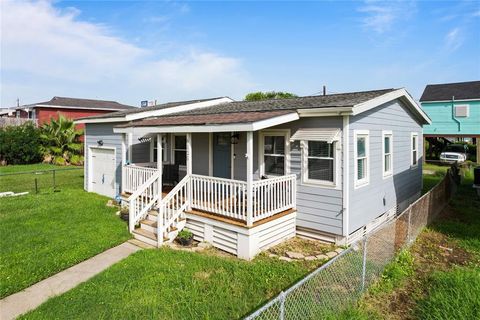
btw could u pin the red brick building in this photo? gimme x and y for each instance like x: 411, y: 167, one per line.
x: 71, y: 108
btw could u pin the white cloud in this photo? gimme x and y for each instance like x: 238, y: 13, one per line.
x: 47, y: 51
x: 381, y: 16
x: 454, y: 39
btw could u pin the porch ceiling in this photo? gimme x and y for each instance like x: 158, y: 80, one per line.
x: 234, y: 121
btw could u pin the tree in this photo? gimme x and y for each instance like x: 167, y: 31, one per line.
x: 61, y: 141
x: 259, y: 95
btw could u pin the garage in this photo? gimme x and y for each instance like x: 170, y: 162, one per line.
x: 102, y: 171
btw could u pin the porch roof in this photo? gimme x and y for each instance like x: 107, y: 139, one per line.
x: 235, y: 121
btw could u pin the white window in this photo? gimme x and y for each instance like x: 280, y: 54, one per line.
x: 319, y: 165
x: 462, y: 111
x: 179, y: 153
x: 361, y: 150
x: 387, y: 153
x: 153, y: 149
x: 274, y: 153
x: 414, y: 148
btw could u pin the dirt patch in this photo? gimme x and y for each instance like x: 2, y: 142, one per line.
x: 304, y: 246
x: 432, y: 251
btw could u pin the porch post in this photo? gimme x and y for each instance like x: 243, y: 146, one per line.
x: 159, y: 165
x: 124, y: 160
x: 189, y: 169
x: 249, y: 157
x: 130, y: 147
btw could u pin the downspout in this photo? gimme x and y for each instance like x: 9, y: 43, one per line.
x: 453, y: 113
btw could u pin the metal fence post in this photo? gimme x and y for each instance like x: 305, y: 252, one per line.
x: 282, y: 305
x: 364, y: 263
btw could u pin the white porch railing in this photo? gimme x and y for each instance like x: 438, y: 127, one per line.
x: 171, y: 208
x: 142, y: 200
x: 221, y: 196
x: 229, y: 197
x: 274, y: 195
x: 134, y: 176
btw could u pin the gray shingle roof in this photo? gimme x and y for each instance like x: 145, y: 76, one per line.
x: 150, y: 108
x: 85, y: 103
x: 332, y: 100
x: 459, y: 90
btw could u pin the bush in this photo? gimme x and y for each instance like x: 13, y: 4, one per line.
x: 59, y: 161
x: 20, y: 144
x: 76, y: 160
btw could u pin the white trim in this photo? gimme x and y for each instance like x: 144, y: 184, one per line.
x: 413, y: 134
x: 366, y: 180
x: 450, y: 100
x: 157, y: 112
x: 254, y: 126
x: 323, y: 112
x: 387, y: 174
x: 130, y: 147
x: 90, y: 171
x: 346, y: 174
x: 180, y: 108
x: 261, y: 147
x: 336, y: 167
x: 399, y: 93
x: 164, y: 150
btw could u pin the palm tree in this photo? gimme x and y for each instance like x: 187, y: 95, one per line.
x: 61, y: 140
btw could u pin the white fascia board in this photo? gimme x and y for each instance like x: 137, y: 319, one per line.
x: 387, y: 97
x: 83, y: 108
x: 181, y: 108
x: 454, y: 100
x: 159, y: 112
x: 234, y: 127
x: 324, y: 112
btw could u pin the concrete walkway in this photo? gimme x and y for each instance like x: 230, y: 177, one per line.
x: 31, y: 297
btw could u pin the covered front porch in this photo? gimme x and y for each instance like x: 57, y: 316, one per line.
x: 236, y: 205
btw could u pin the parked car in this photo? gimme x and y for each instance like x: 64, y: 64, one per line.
x: 454, y: 153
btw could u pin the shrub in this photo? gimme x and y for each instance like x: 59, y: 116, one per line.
x: 60, y: 138
x: 20, y: 144
x: 76, y: 160
x: 185, y: 234
x: 59, y: 161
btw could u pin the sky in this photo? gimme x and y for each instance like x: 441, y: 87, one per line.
x: 169, y: 50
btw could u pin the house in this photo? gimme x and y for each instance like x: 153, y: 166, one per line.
x: 454, y: 109
x: 71, y: 108
x: 252, y: 174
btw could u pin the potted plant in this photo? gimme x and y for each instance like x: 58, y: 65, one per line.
x: 185, y: 237
x: 124, y: 213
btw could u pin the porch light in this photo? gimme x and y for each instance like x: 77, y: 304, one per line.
x: 100, y: 142
x: 234, y: 138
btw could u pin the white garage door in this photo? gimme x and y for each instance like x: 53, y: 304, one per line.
x: 102, y: 171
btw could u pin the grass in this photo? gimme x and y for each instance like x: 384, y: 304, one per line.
x: 430, y: 180
x: 169, y: 284
x: 439, y: 276
x: 44, y: 233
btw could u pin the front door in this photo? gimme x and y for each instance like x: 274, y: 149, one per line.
x: 222, y: 163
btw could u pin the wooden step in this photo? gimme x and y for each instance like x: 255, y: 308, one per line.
x: 149, y: 223
x: 145, y: 233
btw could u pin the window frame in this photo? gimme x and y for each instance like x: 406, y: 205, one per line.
x: 325, y: 183
x: 366, y: 180
x: 414, y: 165
x: 153, y: 149
x: 387, y: 174
x: 173, y: 149
x: 261, y: 150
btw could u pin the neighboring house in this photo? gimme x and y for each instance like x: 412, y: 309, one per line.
x: 454, y: 109
x: 252, y: 174
x: 71, y: 108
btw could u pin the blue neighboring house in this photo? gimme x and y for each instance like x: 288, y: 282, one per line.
x: 454, y: 109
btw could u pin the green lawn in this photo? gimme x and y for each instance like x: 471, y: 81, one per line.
x: 44, y: 233
x: 428, y: 281
x: 169, y: 284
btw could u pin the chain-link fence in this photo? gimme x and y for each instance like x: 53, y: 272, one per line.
x: 340, y: 282
x: 40, y: 181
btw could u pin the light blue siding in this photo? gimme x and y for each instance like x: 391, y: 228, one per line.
x: 444, y: 122
x: 318, y: 208
x: 367, y: 202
